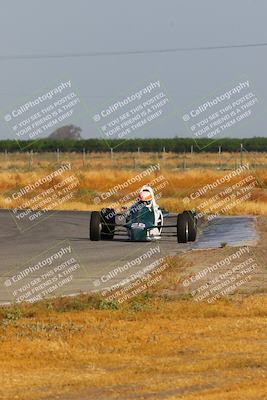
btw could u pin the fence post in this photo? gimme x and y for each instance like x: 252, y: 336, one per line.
x: 163, y: 153
x: 84, y: 157
x: 184, y: 161
x: 30, y: 159
x: 241, y: 155
x: 220, y: 157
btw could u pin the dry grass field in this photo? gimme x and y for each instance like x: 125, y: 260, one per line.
x: 177, y: 349
x: 178, y: 177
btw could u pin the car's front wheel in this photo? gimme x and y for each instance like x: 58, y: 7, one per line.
x: 108, y: 223
x: 95, y: 226
x: 192, y: 226
x: 182, y: 228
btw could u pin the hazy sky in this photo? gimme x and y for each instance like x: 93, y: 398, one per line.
x: 36, y: 28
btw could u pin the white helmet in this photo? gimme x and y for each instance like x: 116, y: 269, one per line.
x: 146, y: 196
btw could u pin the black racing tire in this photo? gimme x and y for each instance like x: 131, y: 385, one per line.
x: 108, y: 223
x: 182, y: 228
x: 95, y: 226
x: 192, y: 226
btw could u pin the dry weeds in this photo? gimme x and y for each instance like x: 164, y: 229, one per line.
x: 166, y: 350
x: 98, y: 174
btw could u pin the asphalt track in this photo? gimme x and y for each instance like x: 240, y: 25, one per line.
x: 52, y: 255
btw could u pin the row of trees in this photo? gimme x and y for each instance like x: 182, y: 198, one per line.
x: 177, y: 145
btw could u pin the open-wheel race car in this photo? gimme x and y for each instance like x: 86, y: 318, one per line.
x: 143, y: 221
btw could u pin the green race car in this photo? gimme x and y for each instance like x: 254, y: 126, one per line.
x: 143, y: 221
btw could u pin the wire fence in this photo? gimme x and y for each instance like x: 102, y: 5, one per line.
x: 133, y: 160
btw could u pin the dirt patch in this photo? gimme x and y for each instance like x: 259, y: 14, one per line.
x: 226, y: 270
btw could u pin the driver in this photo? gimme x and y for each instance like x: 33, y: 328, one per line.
x: 147, y: 199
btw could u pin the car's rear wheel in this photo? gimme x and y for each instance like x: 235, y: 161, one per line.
x: 182, y: 228
x: 95, y: 226
x: 108, y: 223
x: 192, y: 226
